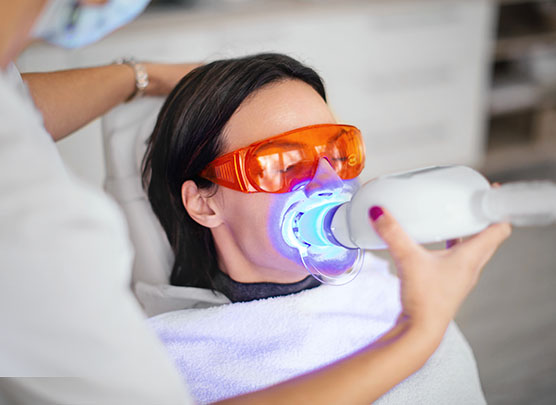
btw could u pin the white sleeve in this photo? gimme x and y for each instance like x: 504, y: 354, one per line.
x: 65, y: 305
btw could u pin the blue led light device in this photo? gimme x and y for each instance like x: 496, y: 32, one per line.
x: 432, y: 204
x: 306, y: 227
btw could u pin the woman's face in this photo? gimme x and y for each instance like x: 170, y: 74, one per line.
x: 248, y: 240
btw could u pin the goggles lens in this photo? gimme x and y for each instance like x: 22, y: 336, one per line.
x: 280, y: 163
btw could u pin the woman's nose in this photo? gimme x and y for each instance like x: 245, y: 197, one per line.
x: 325, y: 179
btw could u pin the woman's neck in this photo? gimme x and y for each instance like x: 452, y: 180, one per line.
x: 233, y: 262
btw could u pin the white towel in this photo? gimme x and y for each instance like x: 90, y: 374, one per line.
x: 236, y: 348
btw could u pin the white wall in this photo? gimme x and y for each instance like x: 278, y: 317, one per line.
x: 412, y: 75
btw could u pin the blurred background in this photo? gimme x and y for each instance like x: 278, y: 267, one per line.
x: 429, y: 82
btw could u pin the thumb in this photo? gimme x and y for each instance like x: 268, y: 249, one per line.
x: 399, y: 243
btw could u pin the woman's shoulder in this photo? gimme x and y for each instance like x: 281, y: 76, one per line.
x: 164, y: 298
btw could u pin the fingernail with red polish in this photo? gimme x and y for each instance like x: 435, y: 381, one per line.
x: 375, y: 212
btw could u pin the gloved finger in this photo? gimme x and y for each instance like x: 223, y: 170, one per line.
x: 399, y: 243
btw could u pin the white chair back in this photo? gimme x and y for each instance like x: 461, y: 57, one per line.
x: 125, y: 130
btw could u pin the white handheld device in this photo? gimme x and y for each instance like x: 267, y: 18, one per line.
x: 436, y: 204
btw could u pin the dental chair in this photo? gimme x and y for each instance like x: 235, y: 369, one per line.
x: 125, y: 131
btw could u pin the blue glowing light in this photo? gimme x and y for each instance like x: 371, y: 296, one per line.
x: 311, y: 225
x: 304, y: 227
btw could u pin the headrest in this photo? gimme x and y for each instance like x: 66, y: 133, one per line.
x: 125, y: 131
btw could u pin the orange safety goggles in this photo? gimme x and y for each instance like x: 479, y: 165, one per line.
x: 280, y: 163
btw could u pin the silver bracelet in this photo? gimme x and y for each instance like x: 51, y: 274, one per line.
x: 141, y: 76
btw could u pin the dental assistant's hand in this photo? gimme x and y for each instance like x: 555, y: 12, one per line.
x: 435, y: 283
x: 164, y: 77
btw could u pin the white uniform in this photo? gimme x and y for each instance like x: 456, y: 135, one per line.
x: 65, y: 260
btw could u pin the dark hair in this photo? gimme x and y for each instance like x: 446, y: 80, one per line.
x: 187, y: 137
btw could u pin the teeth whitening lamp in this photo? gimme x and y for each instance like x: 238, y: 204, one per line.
x: 332, y: 230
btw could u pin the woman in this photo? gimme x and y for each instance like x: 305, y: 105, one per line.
x: 230, y: 241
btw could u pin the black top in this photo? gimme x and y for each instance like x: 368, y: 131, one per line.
x: 241, y: 292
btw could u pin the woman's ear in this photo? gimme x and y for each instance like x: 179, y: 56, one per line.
x: 198, y: 206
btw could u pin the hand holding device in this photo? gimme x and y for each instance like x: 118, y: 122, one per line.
x: 435, y: 283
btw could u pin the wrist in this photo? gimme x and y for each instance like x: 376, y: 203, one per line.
x: 141, y: 77
x: 433, y: 322
x: 404, y: 349
x: 426, y: 334
x: 154, y: 82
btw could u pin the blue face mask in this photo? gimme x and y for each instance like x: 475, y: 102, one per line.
x: 70, y: 24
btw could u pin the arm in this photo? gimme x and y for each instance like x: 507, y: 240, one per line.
x: 433, y: 286
x: 70, y: 99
